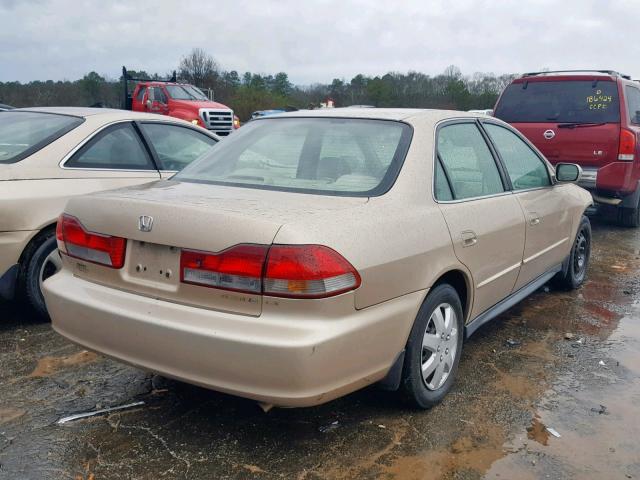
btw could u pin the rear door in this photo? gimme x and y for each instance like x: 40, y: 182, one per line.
x: 547, y: 215
x: 484, y: 218
x: 568, y: 120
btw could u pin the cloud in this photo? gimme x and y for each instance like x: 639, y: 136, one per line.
x: 315, y: 41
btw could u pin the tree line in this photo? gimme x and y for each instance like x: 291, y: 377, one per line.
x: 248, y: 92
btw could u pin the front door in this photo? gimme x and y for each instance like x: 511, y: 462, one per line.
x: 548, y: 224
x: 484, y: 219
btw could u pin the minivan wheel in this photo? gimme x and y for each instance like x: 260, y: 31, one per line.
x: 629, y: 217
x: 433, y: 349
x: 44, y: 263
x: 578, y: 261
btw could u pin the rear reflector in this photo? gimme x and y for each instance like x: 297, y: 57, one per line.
x: 294, y: 271
x: 627, y: 148
x: 238, y: 268
x: 77, y: 242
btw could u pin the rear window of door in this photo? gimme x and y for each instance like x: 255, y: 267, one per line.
x: 560, y: 102
x: 633, y: 104
x: 525, y: 169
x: 468, y: 163
x: 175, y: 146
x: 116, y: 148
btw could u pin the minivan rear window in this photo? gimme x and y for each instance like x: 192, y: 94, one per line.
x: 331, y: 156
x: 574, y: 101
x: 24, y: 133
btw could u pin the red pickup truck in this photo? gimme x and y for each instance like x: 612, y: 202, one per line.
x: 180, y: 100
x: 591, y: 118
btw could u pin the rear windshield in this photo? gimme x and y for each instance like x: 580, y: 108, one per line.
x: 561, y: 102
x: 350, y: 157
x: 23, y: 133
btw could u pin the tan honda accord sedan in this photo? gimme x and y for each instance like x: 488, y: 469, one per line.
x: 50, y: 154
x: 314, y: 253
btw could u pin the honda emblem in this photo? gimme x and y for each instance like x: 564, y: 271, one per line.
x: 145, y: 223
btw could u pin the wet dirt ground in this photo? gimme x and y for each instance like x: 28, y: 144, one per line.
x: 520, y: 379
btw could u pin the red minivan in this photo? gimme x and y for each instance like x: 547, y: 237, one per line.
x: 591, y: 118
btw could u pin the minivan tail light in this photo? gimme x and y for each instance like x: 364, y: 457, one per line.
x: 627, y: 148
x: 78, y: 242
x: 238, y: 268
x: 308, y: 271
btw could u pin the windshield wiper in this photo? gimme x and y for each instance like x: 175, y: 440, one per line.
x: 578, y: 125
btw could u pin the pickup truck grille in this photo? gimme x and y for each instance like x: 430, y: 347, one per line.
x: 219, y: 122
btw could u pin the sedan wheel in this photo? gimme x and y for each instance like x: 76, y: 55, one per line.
x: 51, y: 265
x: 439, y: 346
x: 433, y: 349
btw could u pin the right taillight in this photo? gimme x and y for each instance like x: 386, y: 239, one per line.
x: 293, y: 271
x: 78, y: 242
x: 627, y: 148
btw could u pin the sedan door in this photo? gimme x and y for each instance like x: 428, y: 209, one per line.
x: 175, y: 146
x: 548, y: 219
x: 484, y: 219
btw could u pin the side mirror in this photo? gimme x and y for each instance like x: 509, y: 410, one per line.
x: 149, y: 103
x: 568, y: 172
x: 637, y: 119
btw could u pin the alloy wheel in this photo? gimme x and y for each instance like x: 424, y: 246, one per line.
x: 439, y: 346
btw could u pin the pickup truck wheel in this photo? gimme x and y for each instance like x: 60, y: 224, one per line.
x: 44, y: 262
x: 433, y: 349
x: 578, y: 262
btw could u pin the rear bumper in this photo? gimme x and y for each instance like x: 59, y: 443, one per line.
x: 294, y: 357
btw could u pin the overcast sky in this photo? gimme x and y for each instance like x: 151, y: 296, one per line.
x: 316, y: 40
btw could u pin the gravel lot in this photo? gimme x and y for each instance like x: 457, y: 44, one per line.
x: 568, y: 361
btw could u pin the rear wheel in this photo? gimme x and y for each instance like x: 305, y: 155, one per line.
x: 433, y: 349
x: 44, y: 263
x: 578, y: 261
x: 629, y: 217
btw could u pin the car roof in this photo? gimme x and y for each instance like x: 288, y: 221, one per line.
x: 398, y: 114
x: 85, y: 112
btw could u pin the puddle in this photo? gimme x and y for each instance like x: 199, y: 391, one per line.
x: 538, y: 431
x: 48, y: 366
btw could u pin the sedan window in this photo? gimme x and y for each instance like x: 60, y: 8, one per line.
x: 175, y: 146
x: 335, y: 156
x: 116, y: 148
x: 468, y: 161
x: 524, y: 167
x: 24, y: 133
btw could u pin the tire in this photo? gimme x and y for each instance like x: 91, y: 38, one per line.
x: 44, y: 262
x: 629, y: 217
x: 442, y: 351
x: 578, y: 262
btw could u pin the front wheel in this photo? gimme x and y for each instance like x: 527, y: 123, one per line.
x: 578, y: 262
x: 433, y: 349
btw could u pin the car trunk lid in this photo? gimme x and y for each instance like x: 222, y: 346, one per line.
x: 187, y: 216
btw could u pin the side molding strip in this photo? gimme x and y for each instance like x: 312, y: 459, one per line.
x: 510, y: 301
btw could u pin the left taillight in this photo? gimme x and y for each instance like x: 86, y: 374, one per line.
x: 76, y: 241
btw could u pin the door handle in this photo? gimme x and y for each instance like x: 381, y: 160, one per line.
x: 469, y: 238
